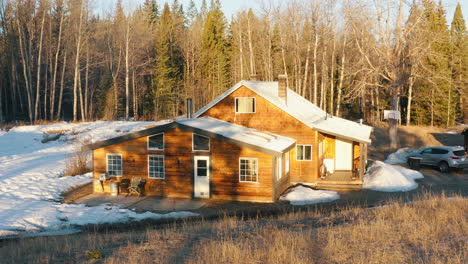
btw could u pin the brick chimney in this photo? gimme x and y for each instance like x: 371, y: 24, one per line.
x: 282, y: 89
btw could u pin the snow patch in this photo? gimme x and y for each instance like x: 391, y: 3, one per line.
x: 301, y: 195
x: 401, y: 155
x: 390, y: 178
x: 31, y: 179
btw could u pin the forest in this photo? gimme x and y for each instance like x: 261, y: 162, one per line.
x: 63, y: 60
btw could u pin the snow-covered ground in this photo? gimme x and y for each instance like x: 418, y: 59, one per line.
x: 390, y: 178
x: 301, y: 195
x: 31, y: 179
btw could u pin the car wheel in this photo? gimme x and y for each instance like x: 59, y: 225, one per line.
x: 443, y: 167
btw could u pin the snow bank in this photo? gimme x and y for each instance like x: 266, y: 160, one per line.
x: 302, y: 195
x: 400, y: 156
x: 390, y: 178
x: 31, y: 182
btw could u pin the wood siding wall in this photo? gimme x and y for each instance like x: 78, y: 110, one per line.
x: 271, y: 118
x: 178, y: 182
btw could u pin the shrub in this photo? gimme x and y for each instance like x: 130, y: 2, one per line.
x: 77, y: 164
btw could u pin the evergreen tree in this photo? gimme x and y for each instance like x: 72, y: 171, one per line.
x: 167, y: 71
x: 151, y: 10
x: 459, y: 59
x: 435, y: 96
x: 215, y: 51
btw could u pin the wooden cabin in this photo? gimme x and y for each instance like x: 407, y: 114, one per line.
x: 257, y: 139
x: 201, y: 158
x: 322, y: 140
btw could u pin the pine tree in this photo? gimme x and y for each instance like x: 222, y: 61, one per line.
x: 435, y: 96
x: 167, y: 76
x: 151, y: 10
x: 459, y: 60
x: 215, y: 51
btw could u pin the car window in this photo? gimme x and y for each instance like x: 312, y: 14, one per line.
x: 439, y: 151
x: 459, y: 153
x: 427, y: 151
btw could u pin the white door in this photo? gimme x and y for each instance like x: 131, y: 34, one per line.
x: 343, y: 155
x: 202, y: 176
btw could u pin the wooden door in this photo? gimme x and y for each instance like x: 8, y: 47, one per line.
x: 202, y: 176
x: 343, y: 155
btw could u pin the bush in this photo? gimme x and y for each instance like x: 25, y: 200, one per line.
x: 77, y: 164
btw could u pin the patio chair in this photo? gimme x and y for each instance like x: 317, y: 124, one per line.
x: 134, y: 186
x: 124, y: 185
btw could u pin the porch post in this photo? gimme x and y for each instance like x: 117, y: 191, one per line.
x: 363, y: 159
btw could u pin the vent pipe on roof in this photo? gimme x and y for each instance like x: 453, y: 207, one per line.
x: 253, y: 77
x: 282, y: 87
x: 189, y: 108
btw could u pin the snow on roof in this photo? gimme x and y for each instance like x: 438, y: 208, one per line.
x: 235, y: 132
x: 301, y: 109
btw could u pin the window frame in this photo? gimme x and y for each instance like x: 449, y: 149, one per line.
x: 254, y: 105
x: 164, y: 167
x: 193, y: 143
x: 107, y: 164
x: 303, y: 154
x: 256, y: 170
x: 148, y: 142
x: 287, y: 162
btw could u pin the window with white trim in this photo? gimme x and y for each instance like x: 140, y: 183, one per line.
x: 114, y: 165
x: 303, y: 152
x: 200, y: 143
x: 156, y: 166
x: 248, y: 169
x: 279, y: 170
x: 286, y: 162
x: 156, y: 142
x: 245, y: 105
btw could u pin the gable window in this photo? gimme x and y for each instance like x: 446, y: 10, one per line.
x: 245, y: 105
x: 200, y: 143
x: 156, y: 142
x: 248, y: 169
x: 114, y: 165
x: 303, y: 152
x: 156, y: 166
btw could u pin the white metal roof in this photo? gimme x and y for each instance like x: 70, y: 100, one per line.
x: 301, y: 109
x: 235, y: 132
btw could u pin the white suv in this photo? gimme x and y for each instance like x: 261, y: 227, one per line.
x: 444, y: 157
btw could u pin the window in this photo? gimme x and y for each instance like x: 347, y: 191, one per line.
x: 286, y: 166
x: 304, y: 152
x: 156, y: 166
x: 279, y: 172
x: 439, y: 151
x: 245, y: 105
x: 248, y: 169
x: 156, y: 142
x: 114, y: 165
x: 201, y: 143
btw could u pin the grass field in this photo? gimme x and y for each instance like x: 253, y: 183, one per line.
x: 433, y: 229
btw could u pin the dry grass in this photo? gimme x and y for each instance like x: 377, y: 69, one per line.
x: 77, y: 163
x: 432, y: 230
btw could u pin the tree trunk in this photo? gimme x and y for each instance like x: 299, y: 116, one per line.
x: 26, y: 70
x: 410, y: 100
x: 340, y: 83
x: 77, y: 66
x: 86, y: 96
x: 54, y: 74
x: 62, y: 84
x: 332, y: 76
x: 38, y: 81
x: 315, y: 66
x: 127, y: 73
